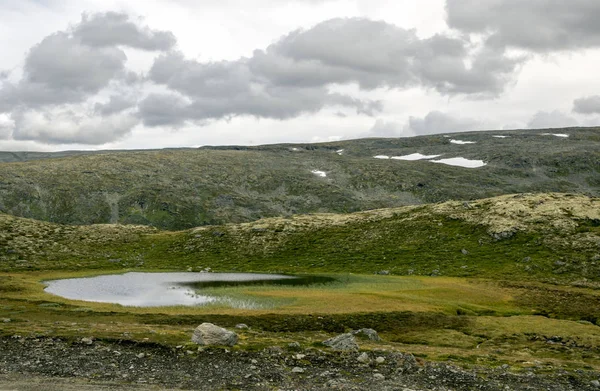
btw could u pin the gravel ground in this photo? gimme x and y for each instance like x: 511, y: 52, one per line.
x: 53, y: 364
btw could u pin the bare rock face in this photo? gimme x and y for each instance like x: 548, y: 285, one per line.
x: 342, y: 342
x: 210, y: 334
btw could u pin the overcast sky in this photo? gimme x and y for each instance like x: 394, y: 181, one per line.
x: 107, y: 74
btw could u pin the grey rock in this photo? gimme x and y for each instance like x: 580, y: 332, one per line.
x: 242, y: 326
x: 378, y: 376
x: 380, y: 360
x: 363, y: 358
x: 384, y: 272
x: 6, y: 320
x: 210, y: 334
x: 464, y: 251
x: 595, y: 383
x: 87, y: 341
x: 342, y: 342
x: 367, y: 333
x: 294, y: 345
x: 297, y: 370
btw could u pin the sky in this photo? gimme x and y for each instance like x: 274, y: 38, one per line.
x: 109, y: 74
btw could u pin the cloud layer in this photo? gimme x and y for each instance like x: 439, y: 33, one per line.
x: 535, y: 25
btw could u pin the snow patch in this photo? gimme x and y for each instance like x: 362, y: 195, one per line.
x: 461, y: 162
x: 501, y: 136
x: 461, y: 142
x: 556, y: 135
x: 415, y: 156
x: 322, y: 174
x: 339, y: 152
x: 295, y: 149
x: 381, y: 157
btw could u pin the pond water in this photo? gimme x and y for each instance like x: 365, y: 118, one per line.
x: 164, y: 289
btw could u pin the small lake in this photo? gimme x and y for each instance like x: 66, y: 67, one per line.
x: 165, y: 289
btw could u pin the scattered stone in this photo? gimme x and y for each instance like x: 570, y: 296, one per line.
x: 367, y: 333
x: 380, y: 360
x: 299, y: 356
x: 294, y: 345
x: 87, y: 341
x: 379, y: 377
x: 342, y: 342
x: 141, y: 355
x: 526, y: 259
x: 595, y: 383
x: 6, y: 320
x: 363, y: 358
x: 464, y: 251
x: 384, y: 272
x: 210, y: 334
x: 253, y: 361
x: 297, y: 370
x: 242, y: 326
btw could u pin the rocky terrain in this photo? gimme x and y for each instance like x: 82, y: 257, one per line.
x: 119, y: 365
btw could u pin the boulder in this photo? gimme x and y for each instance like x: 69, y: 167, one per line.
x: 210, y: 334
x: 342, y: 342
x: 367, y: 333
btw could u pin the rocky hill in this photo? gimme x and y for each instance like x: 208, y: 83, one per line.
x: 185, y: 188
x: 541, y: 237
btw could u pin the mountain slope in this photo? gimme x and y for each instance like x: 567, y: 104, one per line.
x: 184, y: 188
x: 541, y: 237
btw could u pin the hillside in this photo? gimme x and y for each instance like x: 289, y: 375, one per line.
x: 185, y: 188
x: 543, y: 237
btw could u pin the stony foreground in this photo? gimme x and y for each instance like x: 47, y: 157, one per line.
x: 48, y: 364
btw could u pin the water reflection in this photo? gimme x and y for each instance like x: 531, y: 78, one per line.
x: 164, y: 289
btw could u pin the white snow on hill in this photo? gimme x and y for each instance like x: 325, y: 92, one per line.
x: 461, y: 162
x: 322, y: 174
x: 415, y: 156
x: 461, y: 142
x: 556, y: 135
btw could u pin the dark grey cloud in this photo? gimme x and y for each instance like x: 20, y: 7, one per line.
x: 112, y: 29
x: 377, y: 54
x: 551, y: 119
x: 69, y: 67
x: 536, y: 25
x: 60, y: 69
x: 116, y: 104
x: 292, y: 76
x: 165, y: 110
x: 587, y: 105
x: 438, y: 122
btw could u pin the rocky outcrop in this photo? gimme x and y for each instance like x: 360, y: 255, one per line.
x: 342, y: 342
x: 210, y: 334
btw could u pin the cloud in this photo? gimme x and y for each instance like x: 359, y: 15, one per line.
x: 383, y: 128
x: 115, y: 104
x: 62, y: 70
x: 536, y: 25
x: 6, y: 127
x: 587, y: 105
x: 69, y: 68
x: 292, y: 76
x: 112, y: 29
x: 377, y: 54
x: 165, y: 110
x: 64, y: 126
x: 438, y: 122
x: 231, y: 88
x: 551, y: 119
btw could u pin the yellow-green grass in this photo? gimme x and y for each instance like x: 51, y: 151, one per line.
x: 471, y: 322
